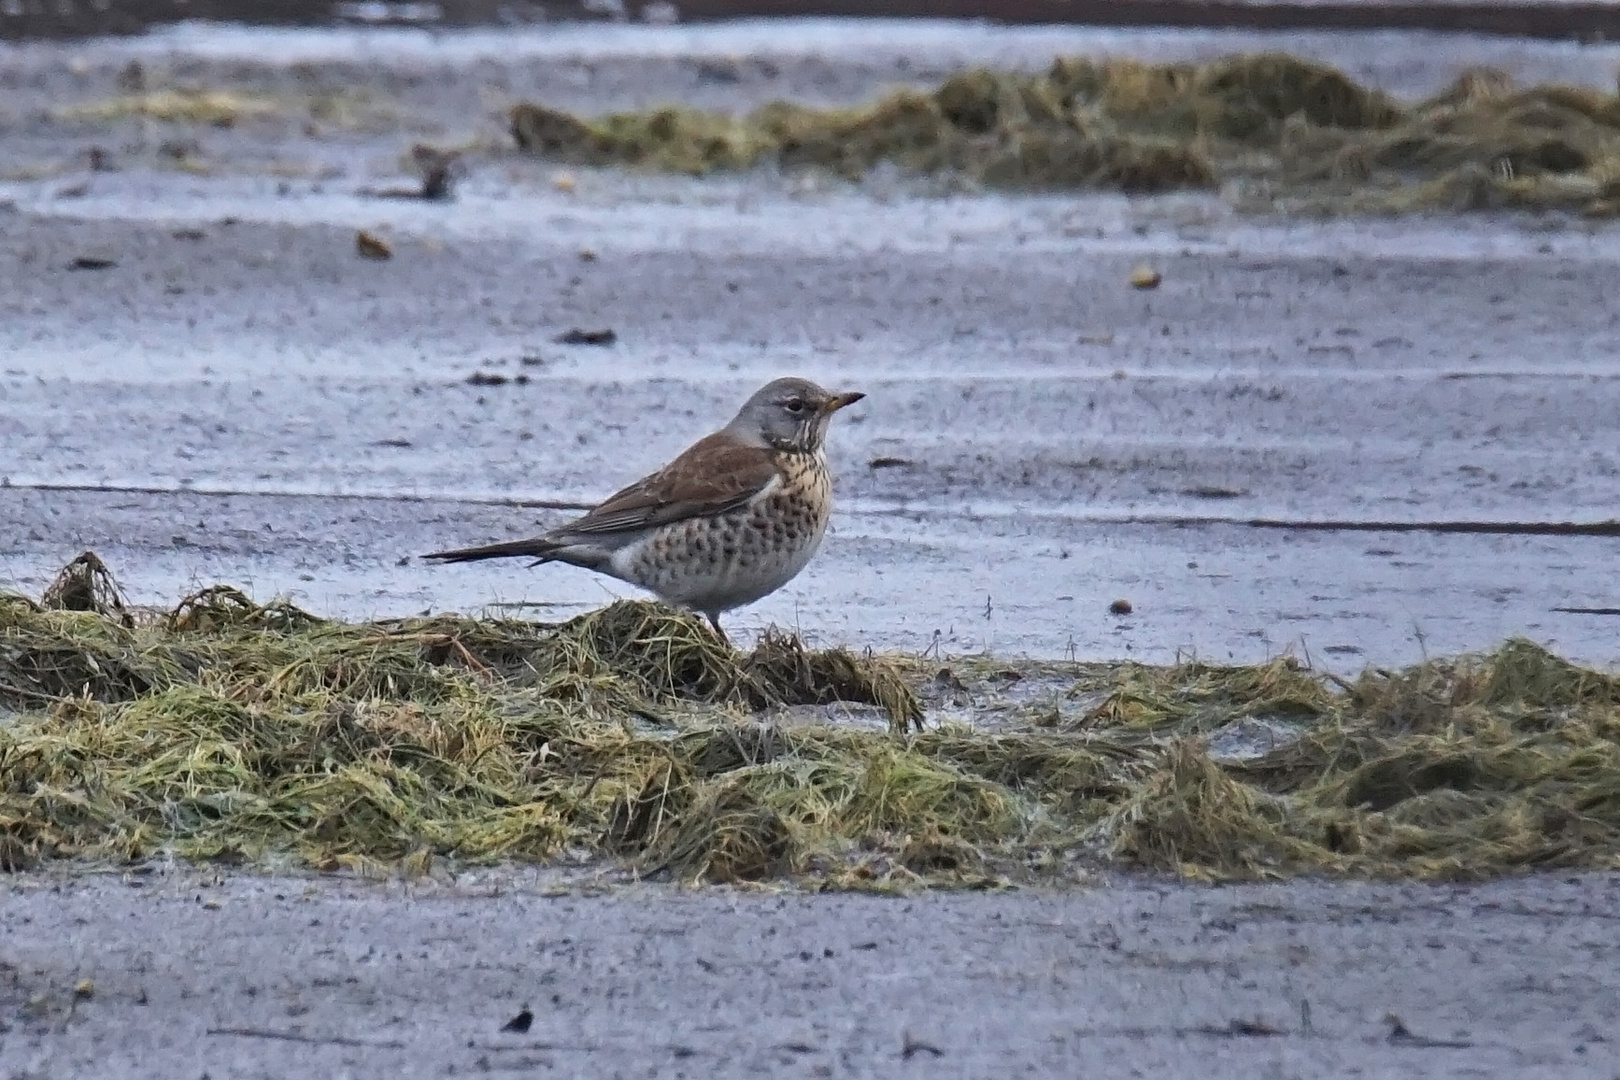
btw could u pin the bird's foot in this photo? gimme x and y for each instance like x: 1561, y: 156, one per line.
x: 714, y: 621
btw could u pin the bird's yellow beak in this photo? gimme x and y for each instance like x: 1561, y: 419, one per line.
x: 838, y: 401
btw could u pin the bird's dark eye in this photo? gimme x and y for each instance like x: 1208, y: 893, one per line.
x: 794, y: 406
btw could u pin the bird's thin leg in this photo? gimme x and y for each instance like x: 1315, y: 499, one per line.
x: 714, y: 621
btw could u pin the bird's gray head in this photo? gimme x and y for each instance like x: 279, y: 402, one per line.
x: 789, y: 414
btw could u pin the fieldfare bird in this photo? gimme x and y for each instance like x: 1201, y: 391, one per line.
x: 732, y: 519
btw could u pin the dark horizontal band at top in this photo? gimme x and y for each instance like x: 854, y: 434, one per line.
x: 1587, y: 19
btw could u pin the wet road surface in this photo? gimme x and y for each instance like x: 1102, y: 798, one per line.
x: 256, y: 976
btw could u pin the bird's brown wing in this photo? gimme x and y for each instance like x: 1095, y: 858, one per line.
x: 713, y: 475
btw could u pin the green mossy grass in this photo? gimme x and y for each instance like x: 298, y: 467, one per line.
x: 1277, y: 131
x: 226, y: 729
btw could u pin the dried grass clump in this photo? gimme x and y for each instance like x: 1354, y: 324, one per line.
x: 671, y: 139
x: 1281, y: 130
x: 812, y: 802
x: 665, y: 656
x: 221, y: 108
x: 85, y: 584
x: 1454, y: 768
x: 1480, y: 144
x: 1195, y: 697
x: 46, y: 655
x: 228, y: 729
x: 1007, y: 130
x: 1191, y: 816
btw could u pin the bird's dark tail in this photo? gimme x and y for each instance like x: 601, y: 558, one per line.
x: 536, y: 548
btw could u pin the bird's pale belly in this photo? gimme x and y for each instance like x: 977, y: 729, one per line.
x: 716, y: 564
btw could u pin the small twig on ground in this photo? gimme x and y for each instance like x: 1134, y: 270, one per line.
x: 299, y: 1037
x: 910, y: 1048
x: 472, y: 661
x: 7, y: 688
x: 1248, y: 1028
x: 1401, y: 1035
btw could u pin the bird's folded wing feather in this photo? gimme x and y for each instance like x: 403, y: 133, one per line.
x: 713, y: 475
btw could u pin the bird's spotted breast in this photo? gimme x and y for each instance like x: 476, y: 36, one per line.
x: 731, y: 559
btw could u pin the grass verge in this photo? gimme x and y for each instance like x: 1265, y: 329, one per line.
x: 226, y: 729
x: 1277, y: 131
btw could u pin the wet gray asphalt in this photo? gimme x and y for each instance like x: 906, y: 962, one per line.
x: 269, y: 977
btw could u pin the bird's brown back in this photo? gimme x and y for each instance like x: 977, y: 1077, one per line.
x: 715, y: 474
